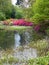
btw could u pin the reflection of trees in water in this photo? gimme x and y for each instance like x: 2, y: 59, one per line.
x: 22, y: 39
x: 25, y: 38
x: 6, y: 39
x: 17, y: 39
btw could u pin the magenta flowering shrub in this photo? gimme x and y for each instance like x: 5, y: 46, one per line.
x: 22, y: 22
x: 37, y: 28
x: 40, y: 28
x: 5, y: 23
x: 17, y: 22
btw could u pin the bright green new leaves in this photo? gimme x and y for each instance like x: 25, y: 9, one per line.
x: 40, y: 8
x: 39, y: 61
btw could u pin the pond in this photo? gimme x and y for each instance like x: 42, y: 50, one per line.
x: 15, y: 43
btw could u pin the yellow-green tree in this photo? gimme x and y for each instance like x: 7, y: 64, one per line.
x: 41, y: 14
x: 41, y: 11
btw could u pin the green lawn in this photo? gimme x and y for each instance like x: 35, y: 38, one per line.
x: 14, y: 27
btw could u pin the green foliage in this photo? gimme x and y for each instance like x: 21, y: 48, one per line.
x: 18, y: 15
x: 37, y: 18
x: 9, y: 10
x: 37, y: 36
x: 8, y: 59
x: 28, y: 12
x: 38, y: 6
x: 6, y: 39
x: 41, y: 10
x: 2, y: 16
x: 41, y: 46
x: 18, y: 12
x: 39, y: 61
x: 13, y: 12
x: 6, y: 7
x: 47, y: 31
x: 11, y: 59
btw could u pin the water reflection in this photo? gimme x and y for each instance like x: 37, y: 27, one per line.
x: 21, y: 39
x: 17, y: 40
x: 10, y: 39
x: 6, y: 39
x: 26, y: 54
x: 27, y: 37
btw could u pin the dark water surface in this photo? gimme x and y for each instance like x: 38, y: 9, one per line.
x: 17, y: 42
x: 10, y: 39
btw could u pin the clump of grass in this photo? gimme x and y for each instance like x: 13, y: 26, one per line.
x: 21, y: 48
x: 41, y: 46
x: 8, y: 59
x: 11, y: 60
x: 4, y: 59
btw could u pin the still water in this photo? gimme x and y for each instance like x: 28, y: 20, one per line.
x: 19, y: 43
x: 14, y: 38
x: 22, y: 39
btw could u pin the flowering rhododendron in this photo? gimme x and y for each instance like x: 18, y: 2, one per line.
x: 18, y: 22
x: 5, y: 23
x: 22, y: 22
x: 37, y: 28
x: 29, y: 24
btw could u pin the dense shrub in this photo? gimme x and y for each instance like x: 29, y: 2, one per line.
x: 47, y: 31
x: 41, y: 9
x: 22, y: 22
x: 6, y: 7
x: 18, y: 15
x: 10, y: 10
x: 38, y: 18
x: 28, y: 12
x: 18, y: 12
x: 2, y: 16
x: 19, y: 22
x: 39, y: 61
x: 41, y: 13
x: 13, y: 12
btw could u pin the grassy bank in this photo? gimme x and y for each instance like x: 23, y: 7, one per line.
x: 41, y: 45
x: 14, y: 27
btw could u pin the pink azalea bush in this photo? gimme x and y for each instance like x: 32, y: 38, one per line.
x: 5, y: 23
x: 37, y: 28
x: 22, y: 22
x: 18, y: 22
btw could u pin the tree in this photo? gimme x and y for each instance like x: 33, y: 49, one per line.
x: 41, y: 13
x: 28, y: 12
x: 6, y: 7
x: 41, y: 7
